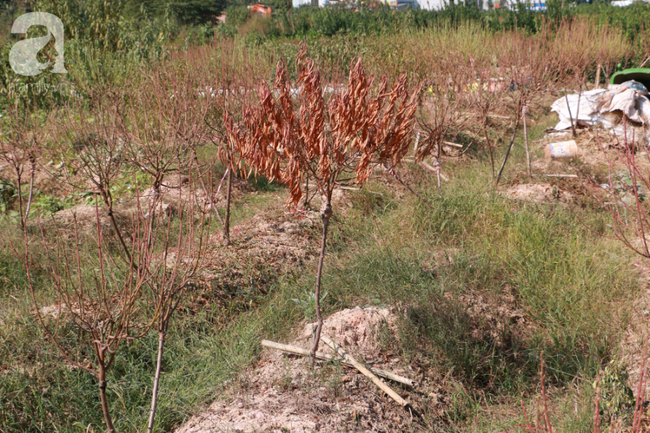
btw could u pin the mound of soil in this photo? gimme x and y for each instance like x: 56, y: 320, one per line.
x: 539, y: 193
x: 284, y: 393
x: 262, y: 249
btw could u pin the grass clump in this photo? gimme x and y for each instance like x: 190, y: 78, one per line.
x: 471, y: 249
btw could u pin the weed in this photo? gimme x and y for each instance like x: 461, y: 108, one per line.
x: 261, y: 183
x: 616, y: 398
x: 308, y: 305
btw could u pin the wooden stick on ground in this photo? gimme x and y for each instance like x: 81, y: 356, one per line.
x: 377, y: 381
x: 323, y: 357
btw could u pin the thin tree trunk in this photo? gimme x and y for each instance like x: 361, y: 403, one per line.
x: 307, y: 199
x: 226, y: 225
x: 437, y: 164
x: 526, y: 142
x: 156, y: 381
x: 512, y: 141
x: 31, y: 191
x: 487, y: 138
x: 20, y: 197
x: 326, y: 214
x: 102, y: 396
x: 152, y: 211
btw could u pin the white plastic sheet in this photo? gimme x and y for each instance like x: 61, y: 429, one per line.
x: 608, y: 108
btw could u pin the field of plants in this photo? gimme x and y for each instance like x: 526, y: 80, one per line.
x: 373, y: 181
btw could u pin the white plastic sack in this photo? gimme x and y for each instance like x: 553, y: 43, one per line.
x: 605, y: 107
x: 582, y: 107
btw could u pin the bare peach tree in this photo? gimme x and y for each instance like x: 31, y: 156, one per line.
x: 233, y: 80
x: 526, y: 65
x: 624, y: 196
x: 440, y: 115
x: 163, y: 238
x: 484, y: 97
x: 19, y: 146
x: 97, y: 297
x: 288, y: 140
x: 227, y: 154
x: 164, y: 125
x: 97, y: 154
x: 172, y: 266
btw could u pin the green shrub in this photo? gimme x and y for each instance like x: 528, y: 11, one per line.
x: 236, y: 15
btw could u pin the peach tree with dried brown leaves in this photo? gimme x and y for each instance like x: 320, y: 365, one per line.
x: 313, y: 136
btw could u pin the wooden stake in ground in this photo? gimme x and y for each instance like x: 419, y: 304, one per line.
x: 597, y: 80
x: 377, y: 381
x: 226, y: 226
x: 523, y: 115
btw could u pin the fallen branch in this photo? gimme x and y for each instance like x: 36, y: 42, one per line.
x: 323, y: 357
x: 451, y: 143
x: 377, y: 381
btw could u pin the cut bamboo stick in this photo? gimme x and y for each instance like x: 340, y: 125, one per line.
x: 451, y: 143
x: 323, y: 357
x: 377, y: 381
x: 524, y: 111
x: 417, y: 144
x: 494, y: 116
x: 433, y: 170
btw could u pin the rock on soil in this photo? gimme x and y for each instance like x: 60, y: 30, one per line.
x: 285, y: 394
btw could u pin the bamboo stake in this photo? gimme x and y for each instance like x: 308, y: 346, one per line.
x: 597, y: 81
x: 377, y: 381
x: 573, y: 127
x: 523, y: 113
x: 433, y: 170
x: 417, y: 144
x: 494, y: 116
x: 324, y: 357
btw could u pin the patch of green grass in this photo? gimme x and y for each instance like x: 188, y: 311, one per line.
x: 261, y: 183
